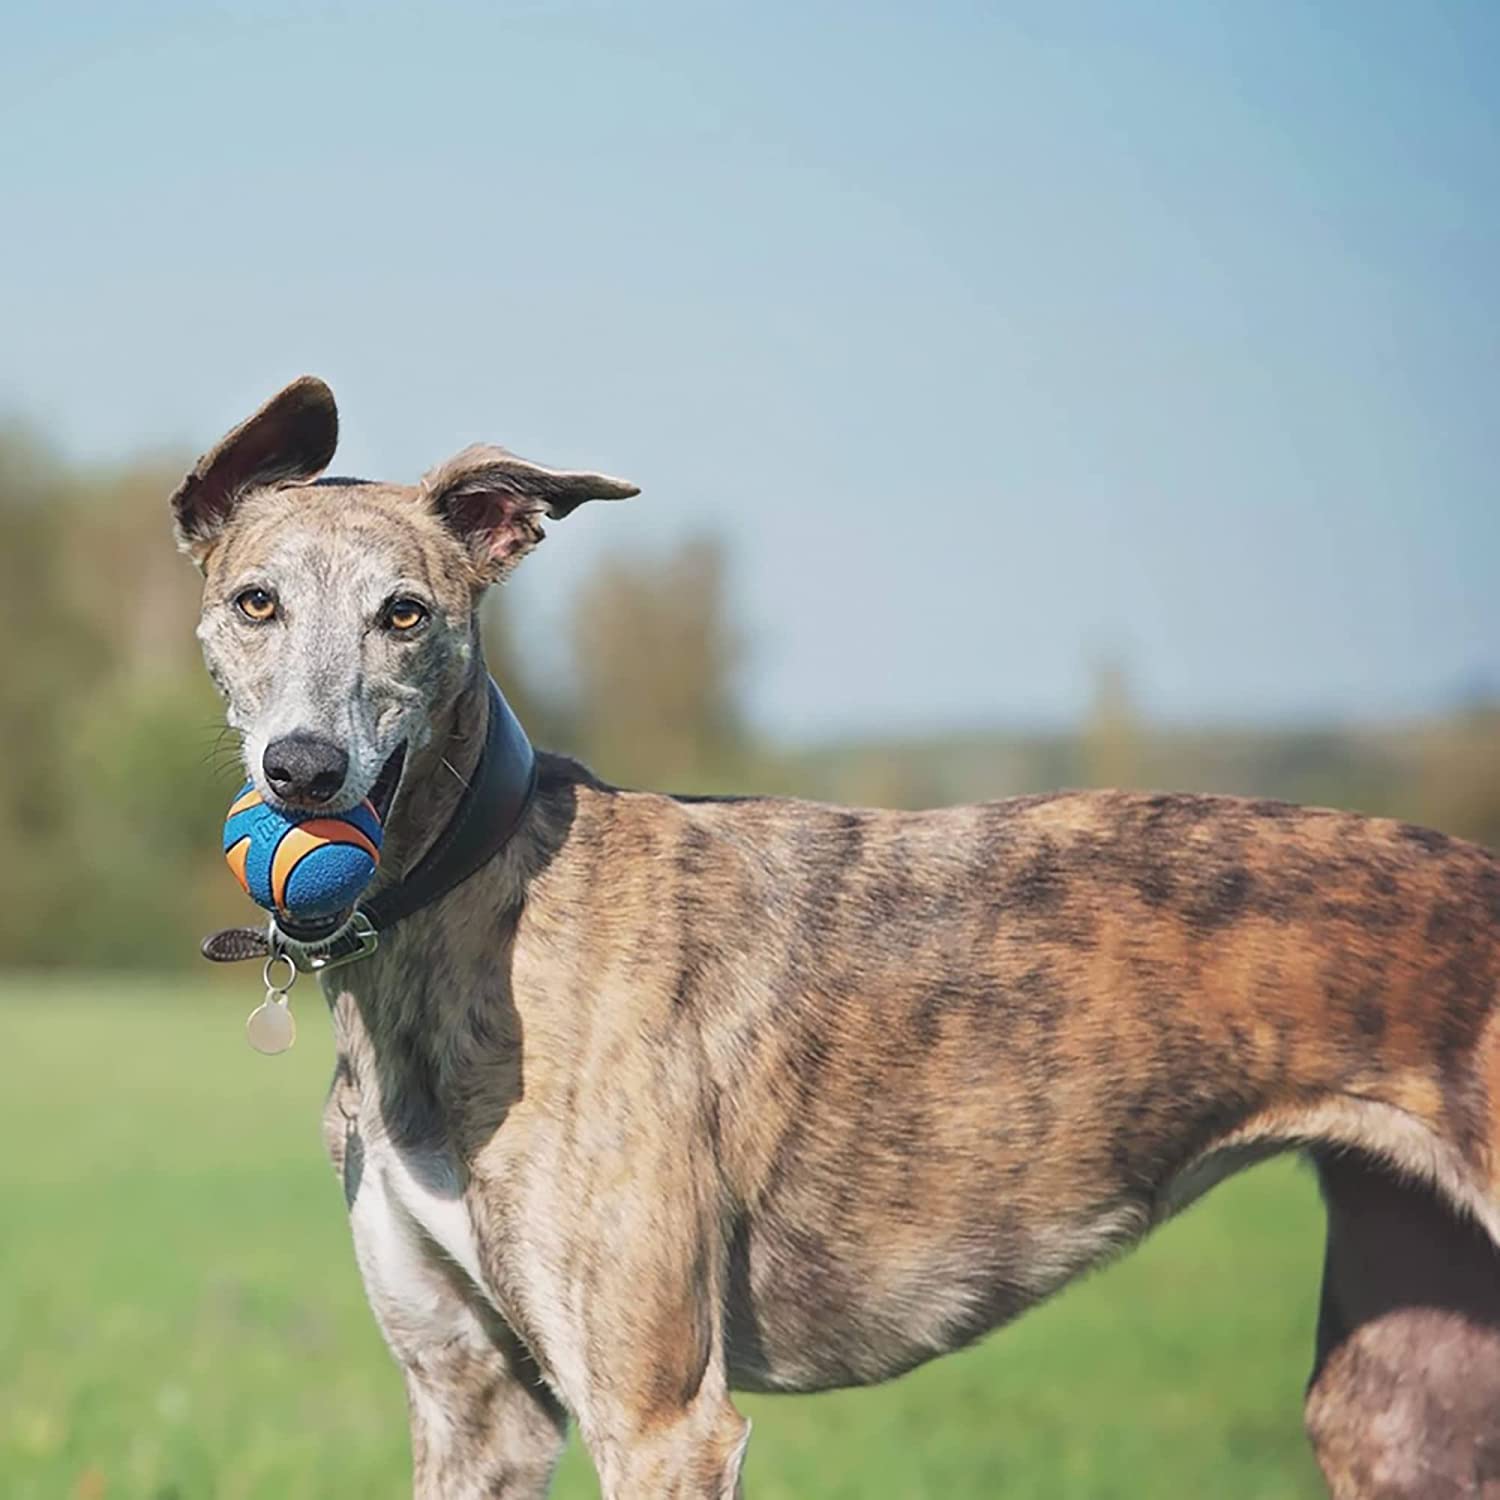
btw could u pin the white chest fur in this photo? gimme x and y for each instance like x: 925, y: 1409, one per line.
x: 408, y: 1203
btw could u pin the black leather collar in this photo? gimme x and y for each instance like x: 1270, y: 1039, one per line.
x: 487, y: 814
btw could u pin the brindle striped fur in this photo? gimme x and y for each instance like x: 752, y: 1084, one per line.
x: 682, y: 1095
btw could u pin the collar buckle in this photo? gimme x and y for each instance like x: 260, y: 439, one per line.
x: 355, y: 940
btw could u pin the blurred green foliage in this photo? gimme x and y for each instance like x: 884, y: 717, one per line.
x: 116, y: 768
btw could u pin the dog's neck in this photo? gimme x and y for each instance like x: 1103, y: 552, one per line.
x: 436, y: 777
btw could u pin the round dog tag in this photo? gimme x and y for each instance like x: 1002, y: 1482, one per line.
x: 271, y: 1028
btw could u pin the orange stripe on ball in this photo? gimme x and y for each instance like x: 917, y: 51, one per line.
x: 250, y: 799
x: 306, y: 837
x: 336, y: 831
x: 237, y: 856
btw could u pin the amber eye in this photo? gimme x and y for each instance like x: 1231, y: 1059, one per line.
x: 256, y: 604
x: 404, y: 614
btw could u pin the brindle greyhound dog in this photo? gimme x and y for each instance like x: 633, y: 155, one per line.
x: 678, y: 1096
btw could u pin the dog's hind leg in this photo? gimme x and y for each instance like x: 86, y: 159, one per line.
x: 1404, y: 1401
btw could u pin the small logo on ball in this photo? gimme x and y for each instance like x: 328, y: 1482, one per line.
x: 304, y: 865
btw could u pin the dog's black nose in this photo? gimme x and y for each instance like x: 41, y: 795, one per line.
x: 305, y: 768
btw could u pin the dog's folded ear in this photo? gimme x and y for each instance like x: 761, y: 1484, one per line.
x: 291, y: 438
x: 494, y: 502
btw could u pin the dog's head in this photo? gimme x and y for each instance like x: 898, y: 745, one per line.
x: 338, y: 615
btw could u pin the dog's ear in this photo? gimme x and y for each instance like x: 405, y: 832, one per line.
x: 494, y: 503
x: 292, y: 437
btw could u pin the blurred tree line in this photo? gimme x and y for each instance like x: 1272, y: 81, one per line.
x: 116, y: 770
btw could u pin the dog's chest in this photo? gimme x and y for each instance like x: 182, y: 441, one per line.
x: 419, y: 1188
x: 403, y: 1182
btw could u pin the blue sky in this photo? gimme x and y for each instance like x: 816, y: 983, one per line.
x: 993, y: 338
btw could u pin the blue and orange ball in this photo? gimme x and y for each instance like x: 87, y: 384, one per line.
x: 300, y: 864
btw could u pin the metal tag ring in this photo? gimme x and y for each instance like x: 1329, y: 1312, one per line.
x: 291, y: 973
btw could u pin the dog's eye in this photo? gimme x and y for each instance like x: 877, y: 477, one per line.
x: 255, y: 604
x: 404, y: 614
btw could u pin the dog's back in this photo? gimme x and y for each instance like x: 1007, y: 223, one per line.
x: 948, y: 1059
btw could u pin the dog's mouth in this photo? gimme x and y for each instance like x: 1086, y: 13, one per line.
x: 383, y: 792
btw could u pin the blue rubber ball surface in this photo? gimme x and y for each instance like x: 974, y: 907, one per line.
x: 301, y: 864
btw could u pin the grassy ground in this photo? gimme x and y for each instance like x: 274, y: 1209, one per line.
x: 182, y: 1317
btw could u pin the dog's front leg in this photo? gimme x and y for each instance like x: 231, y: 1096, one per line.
x: 482, y: 1422
x: 644, y: 1362
x: 694, y: 1452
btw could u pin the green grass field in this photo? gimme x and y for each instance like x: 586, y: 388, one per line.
x: 182, y: 1317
